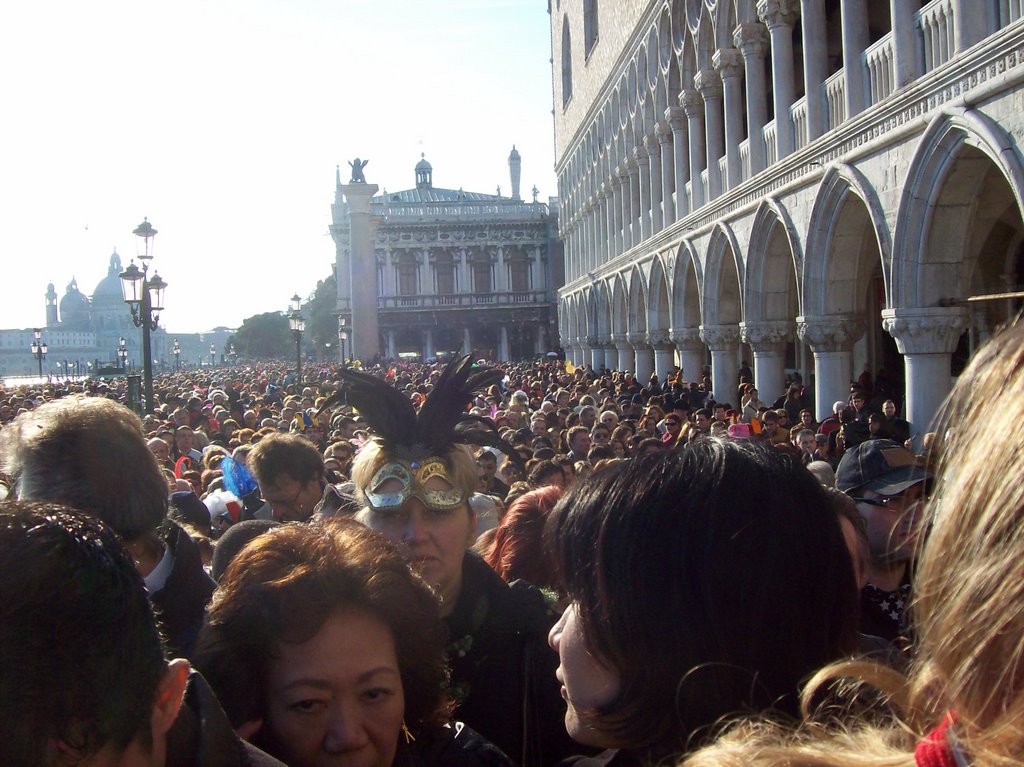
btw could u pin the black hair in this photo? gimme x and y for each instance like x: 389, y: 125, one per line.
x: 80, y: 652
x: 708, y: 599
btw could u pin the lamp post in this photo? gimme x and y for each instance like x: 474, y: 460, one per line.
x: 213, y: 355
x: 233, y: 355
x: 145, y: 296
x: 39, y: 349
x: 176, y: 351
x: 122, y: 353
x: 297, y: 325
x: 342, y: 335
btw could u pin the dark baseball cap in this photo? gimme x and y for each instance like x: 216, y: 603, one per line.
x: 881, y: 466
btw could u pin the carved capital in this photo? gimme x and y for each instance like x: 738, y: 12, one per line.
x: 676, y: 117
x: 658, y: 338
x: 925, y: 331
x: 728, y: 62
x: 692, y: 103
x: 765, y: 337
x: 686, y: 339
x: 709, y: 84
x: 751, y: 39
x: 640, y: 153
x: 620, y: 340
x: 720, y: 338
x: 663, y: 131
x: 830, y: 333
x: 637, y: 340
x: 778, y: 13
x: 651, y: 143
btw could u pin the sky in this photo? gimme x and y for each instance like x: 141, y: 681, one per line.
x: 222, y: 122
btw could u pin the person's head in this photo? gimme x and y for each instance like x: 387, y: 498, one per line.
x: 322, y: 633
x: 290, y: 473
x: 518, y: 549
x: 588, y: 414
x: 680, y: 578
x: 807, y: 418
x: 184, y: 439
x: 72, y: 451
x: 105, y: 695
x: 579, y: 440
x: 858, y: 400
x: 806, y: 441
x: 160, y: 450
x: 673, y: 423
x: 600, y: 434
x: 487, y: 462
x: 770, y: 421
x: 887, y: 482
x: 889, y: 409
x: 424, y: 509
x: 702, y: 419
x: 547, y: 473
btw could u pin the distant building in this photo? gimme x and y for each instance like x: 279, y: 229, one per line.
x: 83, y: 333
x: 458, y: 269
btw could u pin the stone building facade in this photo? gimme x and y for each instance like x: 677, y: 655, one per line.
x: 457, y: 269
x: 812, y: 185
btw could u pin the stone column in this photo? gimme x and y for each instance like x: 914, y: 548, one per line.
x: 752, y: 40
x: 503, y: 344
x: 768, y: 341
x: 467, y: 341
x: 625, y: 205
x: 426, y: 285
x: 690, y: 354
x: 537, y: 281
x: 644, y: 356
x: 601, y: 214
x: 464, y: 286
x: 709, y: 84
x: 643, y: 170
x: 624, y: 352
x: 659, y: 341
x: 904, y: 42
x: 634, y: 202
x: 596, y: 354
x: 428, y: 344
x: 541, y: 346
x: 611, y: 354
x: 926, y: 338
x: 365, y: 320
x: 779, y: 16
x: 676, y: 117
x: 723, y: 341
x: 611, y: 210
x: 655, y: 158
x: 693, y: 105
x: 501, y: 281
x: 392, y: 348
x: 815, y: 40
x: 668, y: 207
x: 831, y: 339
x: 969, y: 23
x: 855, y: 40
x: 729, y: 64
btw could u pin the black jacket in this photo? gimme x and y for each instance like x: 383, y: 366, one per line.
x: 503, y: 672
x: 454, y: 745
x: 201, y: 736
x: 181, y: 603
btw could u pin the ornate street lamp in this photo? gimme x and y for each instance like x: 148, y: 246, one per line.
x: 39, y: 349
x: 213, y: 355
x: 176, y: 351
x: 233, y: 354
x: 297, y: 325
x: 145, y: 296
x: 342, y: 335
x: 122, y: 353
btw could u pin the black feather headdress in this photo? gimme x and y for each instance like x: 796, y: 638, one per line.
x: 441, y: 422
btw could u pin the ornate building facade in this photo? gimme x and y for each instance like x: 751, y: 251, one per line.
x: 813, y: 186
x: 457, y: 269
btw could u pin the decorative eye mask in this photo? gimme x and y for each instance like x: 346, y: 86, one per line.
x: 412, y: 478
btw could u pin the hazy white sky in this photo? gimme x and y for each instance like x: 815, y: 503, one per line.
x: 223, y: 121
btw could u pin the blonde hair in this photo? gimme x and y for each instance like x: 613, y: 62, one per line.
x: 968, y: 603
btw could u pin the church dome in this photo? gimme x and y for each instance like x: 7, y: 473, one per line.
x: 108, y: 291
x: 74, y: 308
x: 423, y: 164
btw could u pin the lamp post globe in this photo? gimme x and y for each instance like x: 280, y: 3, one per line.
x: 145, y: 298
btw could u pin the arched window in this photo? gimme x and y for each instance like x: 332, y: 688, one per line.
x: 589, y: 25
x: 566, y: 62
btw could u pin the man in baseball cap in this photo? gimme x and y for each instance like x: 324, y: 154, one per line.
x: 888, y: 484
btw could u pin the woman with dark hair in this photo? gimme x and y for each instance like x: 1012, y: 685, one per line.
x: 704, y: 583
x: 518, y: 548
x: 324, y: 648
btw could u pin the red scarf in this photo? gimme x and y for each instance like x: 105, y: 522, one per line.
x: 935, y: 750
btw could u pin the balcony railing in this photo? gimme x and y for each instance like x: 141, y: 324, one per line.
x: 799, y: 114
x: 881, y: 68
x: 463, y: 300
x: 835, y: 92
x: 935, y: 22
x: 745, y: 159
x: 771, y: 152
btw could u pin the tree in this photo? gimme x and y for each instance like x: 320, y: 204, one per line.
x: 264, y: 335
x: 322, y: 316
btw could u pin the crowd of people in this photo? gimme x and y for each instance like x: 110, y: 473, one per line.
x: 465, y: 564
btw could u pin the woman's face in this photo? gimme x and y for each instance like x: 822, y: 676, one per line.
x: 588, y: 683
x: 337, y: 699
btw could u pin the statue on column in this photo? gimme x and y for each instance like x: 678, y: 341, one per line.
x: 357, y: 166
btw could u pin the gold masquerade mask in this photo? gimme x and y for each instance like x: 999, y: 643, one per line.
x: 412, y: 478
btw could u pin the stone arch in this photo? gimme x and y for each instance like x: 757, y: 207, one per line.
x: 686, y: 288
x: 619, y: 311
x: 773, y: 266
x: 604, y: 318
x: 659, y: 307
x: 746, y: 11
x: 664, y: 33
x: 637, y: 321
x: 722, y: 295
x: 705, y: 41
x: 678, y: 14
x: 839, y: 262
x: 725, y: 23
x: 952, y: 164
